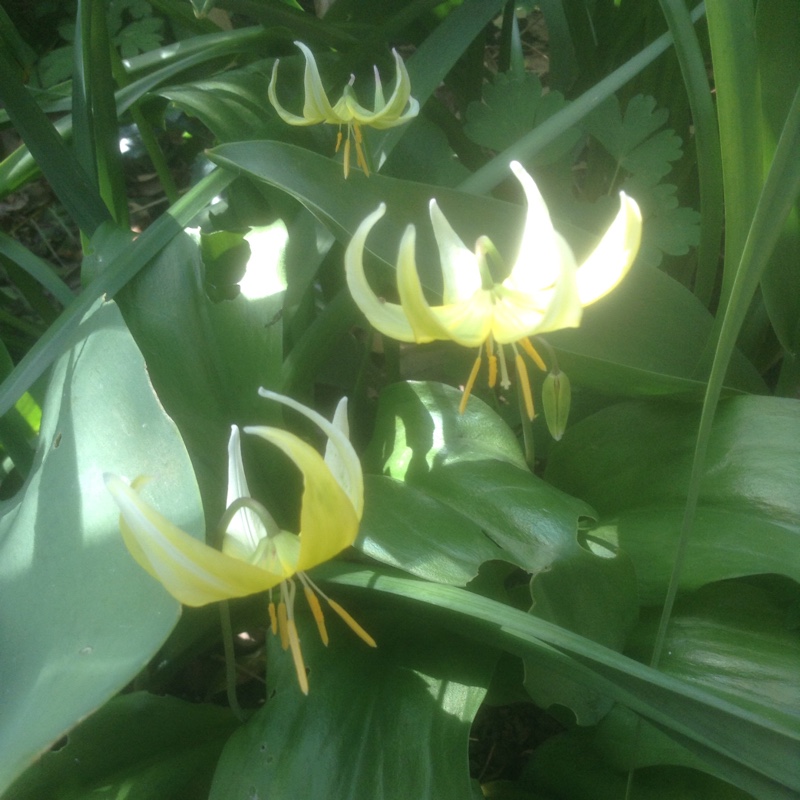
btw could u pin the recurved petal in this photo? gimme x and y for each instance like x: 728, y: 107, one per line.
x: 388, y: 318
x: 610, y: 261
x: 191, y: 571
x: 387, y: 114
x: 340, y: 457
x: 425, y: 323
x: 461, y: 275
x: 519, y: 314
x: 342, y: 461
x: 246, y: 529
x: 316, y: 107
x: 286, y: 116
x: 538, y: 262
x: 328, y: 520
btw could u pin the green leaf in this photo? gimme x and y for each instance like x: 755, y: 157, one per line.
x: 665, y: 356
x: 233, y: 106
x: 632, y: 462
x: 645, y: 153
x: 736, y: 639
x: 137, y: 746
x: 756, y: 752
x: 80, y: 617
x: 511, y: 108
x: 386, y: 724
x: 406, y: 528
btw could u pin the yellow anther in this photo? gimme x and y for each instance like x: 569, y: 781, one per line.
x: 297, y: 656
x: 470, y: 383
x: 283, y: 627
x: 531, y: 351
x: 522, y: 375
x: 273, y: 619
x: 492, y: 370
x: 346, y: 160
x: 316, y: 610
x: 351, y: 623
x: 338, y: 140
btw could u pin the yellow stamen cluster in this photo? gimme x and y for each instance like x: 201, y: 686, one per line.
x: 282, y: 621
x: 495, y: 355
x: 355, y: 129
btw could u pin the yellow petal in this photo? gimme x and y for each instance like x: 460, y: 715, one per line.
x: 388, y: 318
x: 467, y: 322
x: 389, y: 114
x: 519, y: 314
x: 610, y: 261
x: 328, y: 520
x: 316, y: 106
x: 191, y: 571
x: 538, y: 262
x: 340, y: 457
x: 461, y: 274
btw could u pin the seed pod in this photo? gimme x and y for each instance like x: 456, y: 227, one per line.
x: 556, y: 396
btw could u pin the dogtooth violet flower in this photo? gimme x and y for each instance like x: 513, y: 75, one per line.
x: 347, y: 111
x: 544, y: 291
x: 257, y: 555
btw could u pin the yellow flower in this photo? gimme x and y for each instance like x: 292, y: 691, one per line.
x: 544, y: 291
x: 256, y: 554
x: 347, y: 110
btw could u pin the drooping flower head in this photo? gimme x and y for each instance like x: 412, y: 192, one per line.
x: 545, y: 290
x: 257, y: 555
x: 347, y: 111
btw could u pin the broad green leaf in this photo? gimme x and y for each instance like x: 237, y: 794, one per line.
x: 206, y: 359
x: 756, y: 752
x: 406, y: 528
x: 664, y: 356
x: 569, y: 767
x: 735, y: 639
x: 386, y: 724
x: 233, y: 105
x: 137, y: 746
x: 419, y: 428
x: 79, y: 617
x: 468, y: 467
x: 632, y: 462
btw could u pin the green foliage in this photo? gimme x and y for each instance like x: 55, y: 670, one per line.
x: 644, y: 154
x: 637, y: 579
x: 511, y: 107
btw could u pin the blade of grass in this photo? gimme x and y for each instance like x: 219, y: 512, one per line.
x: 780, y: 191
x: 94, y: 118
x: 731, y: 30
x: 117, y: 273
x: 36, y: 267
x: 69, y: 181
x: 496, y: 171
x: 706, y: 136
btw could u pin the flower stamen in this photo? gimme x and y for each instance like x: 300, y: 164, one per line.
x: 522, y: 374
x: 470, y: 383
x: 531, y: 351
x: 349, y: 621
x: 316, y: 608
x: 492, y: 362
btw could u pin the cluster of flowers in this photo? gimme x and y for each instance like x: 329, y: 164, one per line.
x: 545, y: 290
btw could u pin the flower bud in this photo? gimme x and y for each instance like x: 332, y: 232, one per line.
x: 556, y: 396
